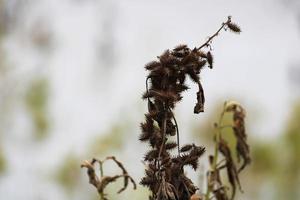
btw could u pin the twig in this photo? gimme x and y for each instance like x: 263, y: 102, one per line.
x: 216, y: 153
x: 206, y: 44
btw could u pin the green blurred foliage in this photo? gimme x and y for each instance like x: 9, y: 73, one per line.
x: 274, y: 162
x: 204, y: 132
x: 292, y: 140
x: 2, y: 22
x: 3, y: 163
x: 227, y: 133
x: 109, y: 141
x: 277, y: 161
x: 289, y: 176
x: 263, y: 161
x: 36, y: 102
x: 3, y: 68
x: 68, y: 173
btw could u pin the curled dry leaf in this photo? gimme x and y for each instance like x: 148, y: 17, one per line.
x: 210, y: 59
x: 101, y: 182
x: 242, y: 149
x: 232, y: 171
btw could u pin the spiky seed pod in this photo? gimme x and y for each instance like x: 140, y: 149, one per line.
x: 197, y: 151
x: 193, y: 75
x: 155, y: 139
x: 148, y: 125
x: 201, y: 54
x: 151, y: 155
x: 152, y: 65
x: 192, y: 158
x: 171, y: 145
x: 199, y: 66
x: 180, y: 47
x: 166, y: 161
x: 181, y: 88
x: 186, y: 147
x: 190, y: 58
x: 192, y: 161
x: 171, y: 129
x: 234, y: 27
x: 178, y: 54
x: 165, y: 58
x: 148, y: 181
x: 150, y: 172
x: 152, y: 167
x: 144, y: 136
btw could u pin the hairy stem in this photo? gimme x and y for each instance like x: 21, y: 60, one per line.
x: 177, y: 130
x: 163, y: 132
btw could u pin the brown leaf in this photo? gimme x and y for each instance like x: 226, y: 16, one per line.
x: 210, y: 59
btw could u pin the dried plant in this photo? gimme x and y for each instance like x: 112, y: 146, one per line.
x: 165, y: 173
x: 214, y: 182
x: 101, y: 182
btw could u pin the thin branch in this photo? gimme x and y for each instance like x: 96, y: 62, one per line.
x: 206, y: 44
x: 216, y: 153
x: 102, y: 181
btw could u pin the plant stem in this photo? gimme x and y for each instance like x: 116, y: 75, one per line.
x: 225, y: 126
x: 101, y: 175
x: 163, y: 132
x: 218, y: 132
x: 177, y: 130
x: 214, y: 35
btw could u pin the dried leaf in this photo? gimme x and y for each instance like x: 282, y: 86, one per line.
x: 234, y: 27
x: 210, y: 59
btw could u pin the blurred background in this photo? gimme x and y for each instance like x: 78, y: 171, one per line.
x: 71, y: 78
